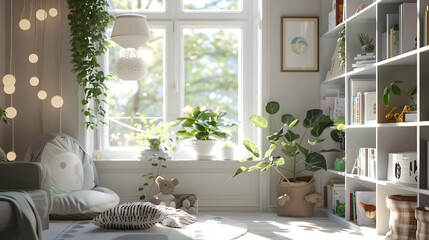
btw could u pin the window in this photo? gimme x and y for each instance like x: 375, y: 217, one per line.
x: 200, y: 53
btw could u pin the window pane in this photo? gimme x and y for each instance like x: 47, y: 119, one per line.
x: 148, y: 5
x: 131, y: 99
x: 212, y: 5
x: 212, y: 69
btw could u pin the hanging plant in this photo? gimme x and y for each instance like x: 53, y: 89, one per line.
x: 342, y: 45
x: 88, y: 20
x: 3, y: 116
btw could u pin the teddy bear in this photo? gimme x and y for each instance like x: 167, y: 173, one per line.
x: 166, y: 188
x: 187, y: 203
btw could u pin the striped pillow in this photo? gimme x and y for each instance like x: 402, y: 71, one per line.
x: 129, y: 216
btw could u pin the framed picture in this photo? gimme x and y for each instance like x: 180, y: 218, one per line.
x: 300, y: 44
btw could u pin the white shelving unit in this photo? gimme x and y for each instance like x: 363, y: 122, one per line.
x: 386, y: 136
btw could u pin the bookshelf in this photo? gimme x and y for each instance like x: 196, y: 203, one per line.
x: 385, y: 136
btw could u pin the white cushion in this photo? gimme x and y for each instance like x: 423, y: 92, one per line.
x: 85, y: 202
x: 129, y: 216
x: 175, y: 218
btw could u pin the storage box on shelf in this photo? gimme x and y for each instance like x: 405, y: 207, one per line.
x: 406, y: 62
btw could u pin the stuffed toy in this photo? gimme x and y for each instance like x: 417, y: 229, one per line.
x: 188, y: 204
x: 166, y: 188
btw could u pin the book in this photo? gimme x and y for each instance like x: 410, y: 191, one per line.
x: 370, y: 107
x: 359, y: 85
x: 339, y: 11
x: 383, y: 46
x: 365, y: 62
x: 394, y: 40
x: 391, y: 20
x: 339, y: 108
x: 351, y: 207
x: 338, y: 198
x: 410, y: 116
x: 407, y: 27
x: 365, y: 207
x: 372, y: 161
x: 363, y: 161
x: 370, y: 57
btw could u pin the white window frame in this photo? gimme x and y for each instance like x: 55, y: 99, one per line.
x: 173, y: 21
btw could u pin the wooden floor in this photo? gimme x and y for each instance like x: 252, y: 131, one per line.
x: 264, y: 226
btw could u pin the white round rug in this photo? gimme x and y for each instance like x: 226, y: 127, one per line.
x: 207, y: 227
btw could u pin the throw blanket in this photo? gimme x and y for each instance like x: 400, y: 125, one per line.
x: 28, y: 220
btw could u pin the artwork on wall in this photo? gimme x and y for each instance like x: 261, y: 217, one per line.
x: 300, y: 44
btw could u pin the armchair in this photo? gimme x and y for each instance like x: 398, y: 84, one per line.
x: 33, y: 178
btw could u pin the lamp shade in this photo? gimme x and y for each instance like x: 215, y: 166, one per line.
x: 130, y: 30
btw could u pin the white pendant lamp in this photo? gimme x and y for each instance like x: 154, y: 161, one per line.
x: 130, y: 30
x: 130, y: 66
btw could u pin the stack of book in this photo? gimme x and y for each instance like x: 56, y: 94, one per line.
x: 335, y: 197
x: 366, y: 163
x: 333, y: 104
x: 363, y: 60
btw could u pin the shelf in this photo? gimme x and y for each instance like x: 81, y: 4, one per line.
x: 424, y: 123
x: 424, y: 49
x: 368, y: 14
x: 403, y: 186
x: 408, y: 58
x: 335, y: 80
x: 341, y: 173
x: 368, y: 70
x: 333, y: 33
x: 424, y: 191
x: 363, y: 178
x: 362, y: 126
x: 401, y: 124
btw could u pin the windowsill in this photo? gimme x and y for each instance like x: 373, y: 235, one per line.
x: 168, y: 160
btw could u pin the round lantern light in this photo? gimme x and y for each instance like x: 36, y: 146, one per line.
x: 11, y: 156
x: 41, y: 15
x: 53, y: 12
x: 130, y: 67
x: 57, y: 101
x: 42, y: 95
x: 9, y: 79
x: 34, y: 81
x: 9, y: 89
x: 11, y: 112
x: 130, y: 30
x: 24, y: 24
x: 33, y: 58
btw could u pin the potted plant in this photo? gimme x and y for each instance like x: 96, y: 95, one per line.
x: 227, y: 150
x: 204, y: 126
x: 411, y: 109
x: 300, y: 153
x: 153, y: 137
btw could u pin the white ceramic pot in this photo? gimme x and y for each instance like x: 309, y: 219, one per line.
x: 204, y: 148
x: 227, y: 153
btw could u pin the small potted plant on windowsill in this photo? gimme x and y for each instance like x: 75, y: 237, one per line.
x: 204, y: 127
x: 227, y: 150
x: 297, y: 195
x: 154, y: 138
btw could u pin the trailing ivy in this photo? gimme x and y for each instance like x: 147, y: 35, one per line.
x: 3, y: 117
x: 88, y: 20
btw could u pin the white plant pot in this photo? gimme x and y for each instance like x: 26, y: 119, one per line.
x: 227, y: 153
x: 204, y: 148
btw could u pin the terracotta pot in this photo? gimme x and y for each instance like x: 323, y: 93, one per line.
x: 297, y: 199
x: 422, y: 217
x: 402, y: 222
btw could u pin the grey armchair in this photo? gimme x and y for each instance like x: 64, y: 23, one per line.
x: 33, y: 178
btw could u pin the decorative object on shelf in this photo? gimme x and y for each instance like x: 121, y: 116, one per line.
x: 422, y: 217
x: 227, y: 150
x: 300, y: 44
x: 342, y: 45
x: 298, y: 156
x: 131, y: 31
x: 365, y: 204
x: 396, y: 90
x: 166, y: 188
x: 390, y: 115
x: 403, y: 167
x: 366, y: 42
x: 340, y: 164
x: 204, y: 126
x: 187, y: 203
x: 339, y: 10
x: 360, y: 8
x: 86, y: 21
x: 402, y: 221
x: 399, y: 116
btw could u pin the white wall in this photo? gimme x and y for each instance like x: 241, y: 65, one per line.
x: 296, y: 92
x: 36, y: 117
x: 2, y: 59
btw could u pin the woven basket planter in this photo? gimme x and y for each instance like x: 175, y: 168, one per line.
x: 402, y: 222
x: 422, y: 217
x: 300, y: 195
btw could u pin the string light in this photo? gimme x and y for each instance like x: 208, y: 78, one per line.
x: 34, y: 81
x: 57, y: 101
x: 9, y: 89
x: 42, y: 95
x: 11, y: 156
x: 11, y: 112
x: 24, y: 24
x: 41, y: 15
x: 9, y: 79
x: 33, y: 58
x: 53, y: 12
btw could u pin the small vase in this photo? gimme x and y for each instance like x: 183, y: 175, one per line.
x: 227, y: 153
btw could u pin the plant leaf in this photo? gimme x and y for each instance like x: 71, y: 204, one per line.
x: 320, y: 125
x: 251, y: 147
x: 413, y: 92
x: 248, y: 159
x: 259, y: 121
x: 302, y: 149
x: 221, y: 114
x: 269, y: 151
x: 280, y: 162
x: 239, y: 170
x: 315, y: 142
x: 386, y: 99
x: 267, y: 167
x: 396, y: 90
x: 288, y: 119
x: 312, y: 117
x: 315, y: 161
x: 254, y: 168
x: 335, y: 135
x: 272, y: 107
x: 330, y: 150
x: 291, y: 136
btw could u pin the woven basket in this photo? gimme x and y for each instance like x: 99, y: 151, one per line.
x: 422, y: 217
x: 402, y: 222
x: 297, y: 206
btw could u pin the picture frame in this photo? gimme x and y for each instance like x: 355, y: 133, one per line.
x: 300, y: 44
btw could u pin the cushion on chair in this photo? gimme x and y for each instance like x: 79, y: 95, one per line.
x: 84, y: 204
x: 129, y: 216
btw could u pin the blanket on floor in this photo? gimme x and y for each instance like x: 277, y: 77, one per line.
x: 28, y: 220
